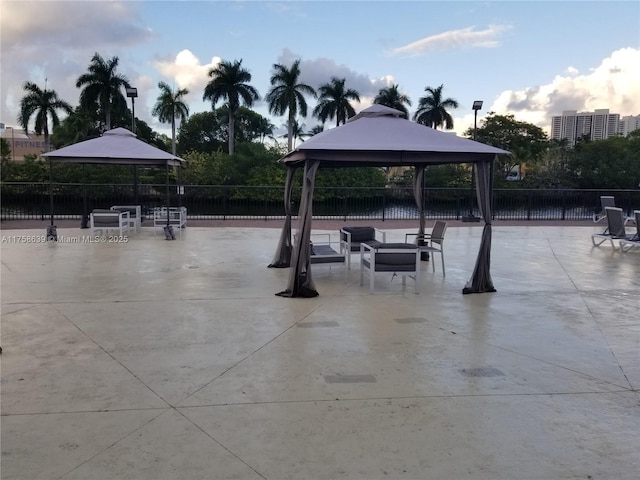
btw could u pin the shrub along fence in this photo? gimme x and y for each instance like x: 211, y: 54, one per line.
x: 19, y: 200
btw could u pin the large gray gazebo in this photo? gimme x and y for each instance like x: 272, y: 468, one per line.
x: 118, y: 146
x: 380, y: 136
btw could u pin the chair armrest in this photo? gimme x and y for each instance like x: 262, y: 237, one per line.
x: 366, y: 246
x: 382, y: 233
x: 324, y: 238
x: 321, y: 237
x: 345, y: 236
x: 419, y: 236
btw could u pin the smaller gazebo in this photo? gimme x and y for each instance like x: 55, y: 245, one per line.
x: 380, y: 136
x: 118, y: 146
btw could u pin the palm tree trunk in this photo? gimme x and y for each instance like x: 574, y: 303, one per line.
x: 47, y: 145
x: 290, y: 131
x: 231, y: 131
x: 173, y: 135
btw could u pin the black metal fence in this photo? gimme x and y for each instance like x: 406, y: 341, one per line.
x: 31, y: 201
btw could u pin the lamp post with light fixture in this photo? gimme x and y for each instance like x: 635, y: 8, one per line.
x: 132, y: 93
x: 477, y: 105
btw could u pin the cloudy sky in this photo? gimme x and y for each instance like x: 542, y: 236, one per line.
x: 531, y: 59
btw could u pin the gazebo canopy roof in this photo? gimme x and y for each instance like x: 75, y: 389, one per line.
x: 379, y: 135
x: 116, y: 146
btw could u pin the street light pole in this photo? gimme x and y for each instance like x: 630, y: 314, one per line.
x: 477, y: 105
x: 132, y: 93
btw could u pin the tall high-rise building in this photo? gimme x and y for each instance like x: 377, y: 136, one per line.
x: 628, y: 124
x: 574, y: 125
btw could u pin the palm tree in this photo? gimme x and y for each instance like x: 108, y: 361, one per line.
x: 169, y: 105
x: 287, y: 94
x: 230, y: 82
x: 334, y: 101
x: 432, y: 109
x: 102, y: 86
x: 77, y: 127
x: 43, y: 104
x: 265, y: 128
x: 297, y: 132
x: 392, y: 98
x: 315, y: 130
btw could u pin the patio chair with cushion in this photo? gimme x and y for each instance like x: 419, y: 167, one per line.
x: 103, y: 221
x: 326, y: 252
x: 433, y: 242
x: 615, y: 228
x: 396, y: 258
x: 354, y: 236
x: 135, y: 214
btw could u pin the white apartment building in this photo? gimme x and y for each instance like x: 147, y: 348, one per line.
x: 628, y: 124
x: 597, y: 125
x: 573, y: 125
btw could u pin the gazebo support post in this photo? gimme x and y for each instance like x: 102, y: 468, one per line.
x: 168, y: 229
x: 52, y: 230
x: 84, y: 223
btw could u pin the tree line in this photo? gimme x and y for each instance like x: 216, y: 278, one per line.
x: 207, y: 140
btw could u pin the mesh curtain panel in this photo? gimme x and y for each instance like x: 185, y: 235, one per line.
x: 282, y: 257
x: 300, y: 281
x: 480, y: 281
x: 418, y: 194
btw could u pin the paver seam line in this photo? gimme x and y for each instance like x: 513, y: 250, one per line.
x: 27, y: 307
x: 249, y: 355
x: 593, y: 318
x: 82, y: 302
x: 112, y: 444
x: 411, y: 397
x: 506, y: 349
x: 71, y: 412
x: 114, y: 359
x: 236, y: 456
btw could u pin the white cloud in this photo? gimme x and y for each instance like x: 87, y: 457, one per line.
x: 44, y: 24
x: 186, y: 70
x: 319, y: 71
x: 454, y: 39
x: 613, y: 85
x: 53, y: 42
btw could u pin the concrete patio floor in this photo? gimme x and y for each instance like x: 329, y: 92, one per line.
x: 157, y: 359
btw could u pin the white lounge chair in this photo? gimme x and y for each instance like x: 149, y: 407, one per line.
x: 628, y: 243
x: 605, y: 201
x: 615, y: 228
x: 608, y: 201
